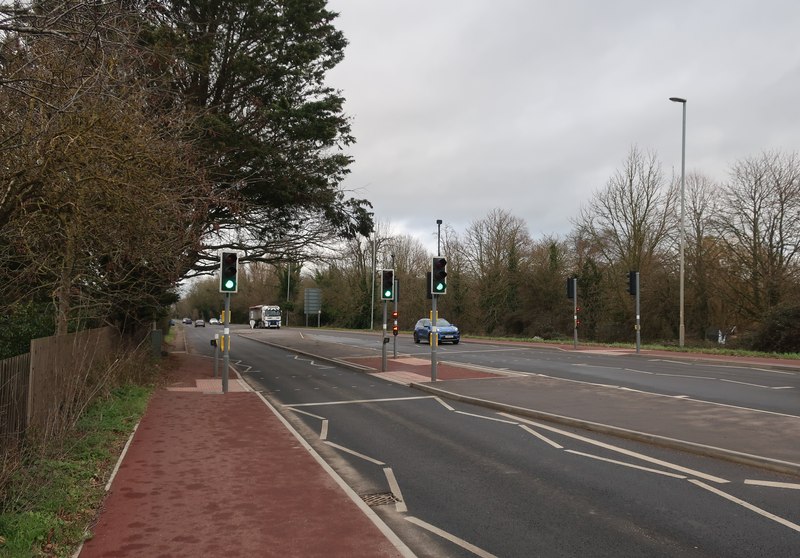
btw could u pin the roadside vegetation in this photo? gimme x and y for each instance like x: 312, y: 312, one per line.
x: 52, y: 490
x: 742, y: 265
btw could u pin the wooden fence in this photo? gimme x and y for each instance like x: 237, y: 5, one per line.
x: 39, y: 388
x: 14, y: 379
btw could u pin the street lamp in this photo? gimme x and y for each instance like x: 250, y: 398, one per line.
x: 681, y: 326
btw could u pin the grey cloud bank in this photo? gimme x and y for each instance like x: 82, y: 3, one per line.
x: 530, y: 106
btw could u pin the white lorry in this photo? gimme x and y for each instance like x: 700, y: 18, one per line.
x: 265, y: 316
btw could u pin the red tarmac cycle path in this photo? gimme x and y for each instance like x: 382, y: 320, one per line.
x: 209, y: 474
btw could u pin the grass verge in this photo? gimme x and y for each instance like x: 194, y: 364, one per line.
x: 54, y: 497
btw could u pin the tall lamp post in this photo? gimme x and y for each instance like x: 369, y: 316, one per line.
x: 682, y: 326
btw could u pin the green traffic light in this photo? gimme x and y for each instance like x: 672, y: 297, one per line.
x: 230, y: 283
x: 439, y: 287
x: 387, y: 294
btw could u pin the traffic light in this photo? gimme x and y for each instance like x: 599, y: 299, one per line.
x: 439, y: 276
x: 229, y: 268
x: 571, y: 287
x: 632, y: 282
x: 395, y: 330
x: 387, y: 284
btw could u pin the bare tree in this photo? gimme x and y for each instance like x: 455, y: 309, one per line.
x: 759, y: 224
x: 631, y: 219
x: 629, y: 225
x: 101, y: 200
x: 497, y: 251
x: 706, y: 288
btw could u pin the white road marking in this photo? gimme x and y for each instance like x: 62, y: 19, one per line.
x: 323, y: 433
x: 542, y: 437
x: 355, y: 498
x: 351, y: 452
x: 744, y: 408
x: 689, y: 376
x: 444, y: 404
x: 638, y: 371
x: 121, y: 457
x: 656, y: 394
x: 485, y: 417
x: 348, y: 402
x: 785, y: 372
x: 753, y: 385
x: 631, y: 465
x: 670, y: 361
x: 345, y: 362
x: 312, y: 362
x: 668, y: 465
x: 773, y: 484
x: 747, y: 505
x: 452, y: 538
x: 400, y: 505
x: 461, y: 352
x: 307, y: 414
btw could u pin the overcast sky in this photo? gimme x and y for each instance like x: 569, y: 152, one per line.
x: 462, y: 106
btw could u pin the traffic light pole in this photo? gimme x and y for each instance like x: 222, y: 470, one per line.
x: 638, y: 317
x: 396, y: 296
x: 575, y: 312
x: 226, y: 342
x: 434, y: 337
x: 384, y: 340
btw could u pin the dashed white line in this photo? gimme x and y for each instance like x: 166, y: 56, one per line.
x: 452, y: 538
x: 631, y: 465
x: 323, y: 432
x: 638, y: 371
x: 690, y: 376
x: 773, y: 484
x: 368, y: 512
x: 352, y: 401
x: 666, y: 464
x: 485, y: 417
x: 785, y: 372
x: 656, y: 394
x: 444, y: 404
x: 351, y: 452
x: 307, y: 414
x: 400, y: 505
x: 542, y: 437
x: 747, y: 505
x: 752, y: 385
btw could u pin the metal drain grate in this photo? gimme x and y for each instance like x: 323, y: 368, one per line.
x: 380, y: 499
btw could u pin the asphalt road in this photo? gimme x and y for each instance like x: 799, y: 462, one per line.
x: 767, y: 389
x: 471, y: 482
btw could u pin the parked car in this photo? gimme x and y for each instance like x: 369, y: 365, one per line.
x: 448, y: 333
x: 187, y: 321
x: 199, y: 323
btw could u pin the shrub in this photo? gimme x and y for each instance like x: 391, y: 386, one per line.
x: 779, y: 332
